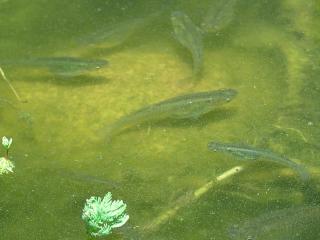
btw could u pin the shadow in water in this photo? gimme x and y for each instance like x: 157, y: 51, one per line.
x: 76, y: 81
x: 213, y: 116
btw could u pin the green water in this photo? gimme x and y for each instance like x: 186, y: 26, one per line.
x: 269, y: 52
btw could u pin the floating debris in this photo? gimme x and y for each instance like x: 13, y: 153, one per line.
x: 251, y: 153
x: 182, y: 107
x: 190, y: 36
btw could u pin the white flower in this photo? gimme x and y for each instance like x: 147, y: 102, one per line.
x: 6, y: 166
x: 6, y: 143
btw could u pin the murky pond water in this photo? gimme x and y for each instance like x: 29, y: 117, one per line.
x: 99, y: 111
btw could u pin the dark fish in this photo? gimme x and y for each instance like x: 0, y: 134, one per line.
x: 190, y: 36
x: 251, y: 153
x: 296, y: 223
x: 186, y: 106
x: 219, y: 15
x: 62, y: 66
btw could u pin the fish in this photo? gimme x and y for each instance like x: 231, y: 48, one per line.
x: 251, y: 153
x: 295, y: 223
x: 60, y: 66
x: 113, y: 35
x: 219, y: 15
x: 86, y: 178
x: 189, y: 36
x: 181, y: 107
x: 116, y: 34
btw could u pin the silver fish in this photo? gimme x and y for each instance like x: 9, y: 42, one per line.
x: 296, y: 223
x: 61, y: 66
x: 186, y: 106
x: 189, y: 36
x: 251, y: 153
x: 219, y: 15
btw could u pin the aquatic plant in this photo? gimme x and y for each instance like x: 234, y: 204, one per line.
x: 102, y: 215
x: 6, y: 166
x: 187, y: 199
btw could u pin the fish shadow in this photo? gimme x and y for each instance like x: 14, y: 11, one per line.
x: 182, y: 53
x: 81, y: 80
x: 200, y: 121
x: 74, y: 81
x: 96, y: 50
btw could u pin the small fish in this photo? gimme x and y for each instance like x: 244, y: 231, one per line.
x: 251, y: 153
x: 116, y: 34
x: 219, y: 15
x: 296, y: 223
x: 61, y: 66
x: 86, y: 178
x: 113, y: 35
x: 189, y: 36
x: 186, y: 106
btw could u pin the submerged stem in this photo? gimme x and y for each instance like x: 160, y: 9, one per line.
x: 189, y: 198
x: 10, y: 85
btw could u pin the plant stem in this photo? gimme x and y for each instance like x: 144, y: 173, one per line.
x: 10, y: 85
x: 7, y: 154
x: 189, y: 198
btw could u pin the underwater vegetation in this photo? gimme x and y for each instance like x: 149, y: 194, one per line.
x: 101, y: 215
x: 186, y: 106
x: 6, y: 166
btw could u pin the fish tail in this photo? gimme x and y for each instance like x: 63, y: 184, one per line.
x: 303, y: 172
x: 108, y: 133
x: 105, y: 134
